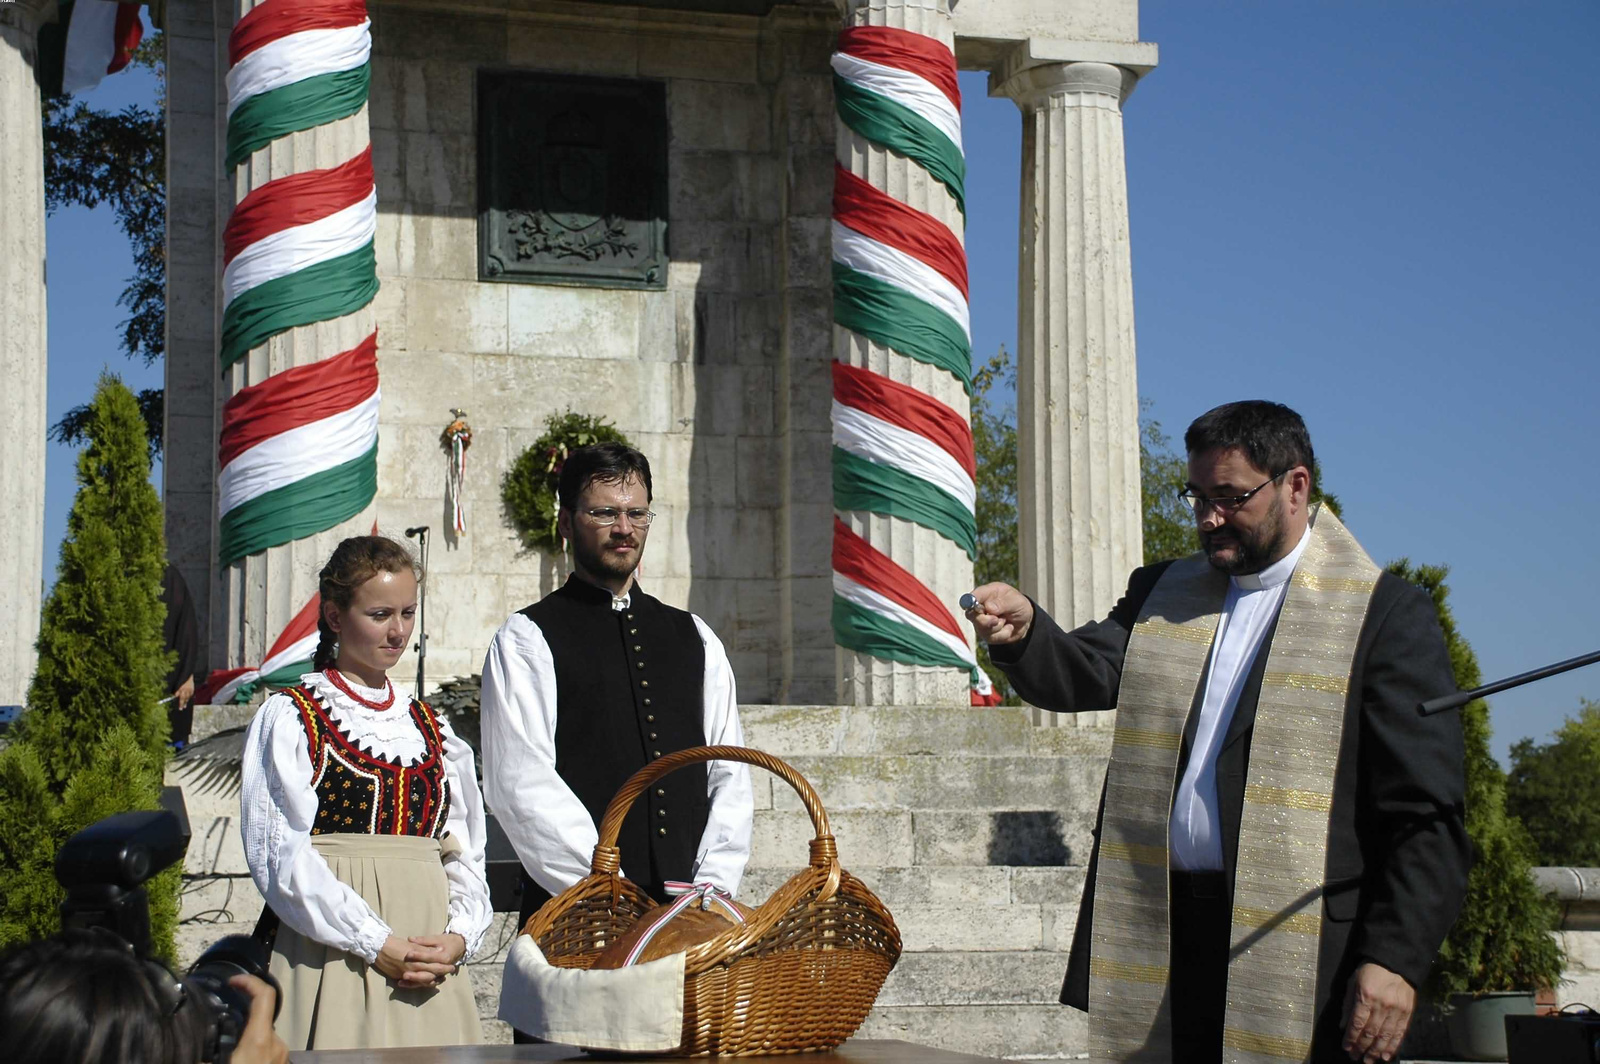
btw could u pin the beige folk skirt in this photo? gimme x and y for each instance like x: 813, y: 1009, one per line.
x: 333, y: 999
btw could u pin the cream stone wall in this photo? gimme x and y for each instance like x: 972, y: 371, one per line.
x: 721, y: 379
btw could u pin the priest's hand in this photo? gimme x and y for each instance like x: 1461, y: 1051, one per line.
x: 1377, y: 1010
x: 1002, y: 614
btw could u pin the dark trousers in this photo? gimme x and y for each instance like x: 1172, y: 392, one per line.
x: 1201, y: 921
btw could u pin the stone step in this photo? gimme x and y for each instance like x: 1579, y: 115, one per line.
x: 930, y: 782
x: 899, y: 838
x: 979, y: 888
x: 193, y: 937
x: 1035, y: 1032
x: 1012, y: 977
x: 795, y: 730
x: 229, y: 898
x: 209, y: 720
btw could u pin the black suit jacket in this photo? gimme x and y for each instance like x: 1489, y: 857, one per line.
x: 1397, y: 848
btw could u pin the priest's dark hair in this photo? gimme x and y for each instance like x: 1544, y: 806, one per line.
x: 1271, y: 435
x: 609, y: 463
x: 354, y: 562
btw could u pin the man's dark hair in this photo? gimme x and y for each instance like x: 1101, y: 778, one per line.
x: 609, y: 463
x: 1272, y: 437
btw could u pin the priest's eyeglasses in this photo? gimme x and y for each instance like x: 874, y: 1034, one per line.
x: 1224, y: 503
x: 606, y: 516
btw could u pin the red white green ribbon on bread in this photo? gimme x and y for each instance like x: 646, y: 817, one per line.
x: 690, y: 895
x: 298, y: 452
x: 900, y: 281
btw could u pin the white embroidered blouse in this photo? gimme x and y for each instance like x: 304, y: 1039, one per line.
x: 278, y: 807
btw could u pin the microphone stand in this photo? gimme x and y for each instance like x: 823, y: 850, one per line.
x: 420, y: 534
x: 1461, y: 698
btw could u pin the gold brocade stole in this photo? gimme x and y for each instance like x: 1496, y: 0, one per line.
x: 1283, y: 836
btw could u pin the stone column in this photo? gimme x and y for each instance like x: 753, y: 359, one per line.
x: 23, y: 360
x: 934, y: 560
x: 261, y: 593
x: 1078, y: 501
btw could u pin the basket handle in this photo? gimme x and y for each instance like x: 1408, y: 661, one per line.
x: 607, y: 858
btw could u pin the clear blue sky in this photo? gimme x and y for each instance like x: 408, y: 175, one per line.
x: 1383, y: 214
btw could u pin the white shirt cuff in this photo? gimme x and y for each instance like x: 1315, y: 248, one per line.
x: 370, y: 937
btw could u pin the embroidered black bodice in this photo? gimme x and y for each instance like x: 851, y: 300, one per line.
x: 365, y: 794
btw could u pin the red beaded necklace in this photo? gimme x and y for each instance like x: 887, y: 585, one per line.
x: 339, y: 682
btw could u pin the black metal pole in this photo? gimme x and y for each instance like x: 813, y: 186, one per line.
x: 420, y: 533
x: 1461, y: 698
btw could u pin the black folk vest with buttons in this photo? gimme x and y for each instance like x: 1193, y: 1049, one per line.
x: 629, y: 689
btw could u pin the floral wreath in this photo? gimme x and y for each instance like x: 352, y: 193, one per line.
x: 528, y: 491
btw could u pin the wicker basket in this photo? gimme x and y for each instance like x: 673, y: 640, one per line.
x: 799, y: 975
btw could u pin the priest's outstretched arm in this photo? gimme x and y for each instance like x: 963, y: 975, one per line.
x: 1054, y: 669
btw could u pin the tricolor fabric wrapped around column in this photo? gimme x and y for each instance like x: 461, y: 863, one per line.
x: 293, y: 65
x: 288, y: 659
x: 298, y: 452
x: 903, y: 468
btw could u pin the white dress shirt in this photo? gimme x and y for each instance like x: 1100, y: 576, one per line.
x: 1248, y: 611
x: 277, y: 807
x: 547, y: 824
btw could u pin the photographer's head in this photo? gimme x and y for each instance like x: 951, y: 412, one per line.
x: 82, y: 996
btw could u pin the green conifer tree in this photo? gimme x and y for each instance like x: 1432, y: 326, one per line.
x: 1554, y: 788
x: 93, y: 739
x: 1501, y: 940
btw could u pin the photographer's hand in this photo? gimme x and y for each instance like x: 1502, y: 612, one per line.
x: 432, y: 957
x: 258, y: 1042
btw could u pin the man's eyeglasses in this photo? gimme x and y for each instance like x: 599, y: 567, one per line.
x: 605, y: 516
x: 1224, y: 503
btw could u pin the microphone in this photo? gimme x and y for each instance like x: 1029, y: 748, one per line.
x: 411, y: 533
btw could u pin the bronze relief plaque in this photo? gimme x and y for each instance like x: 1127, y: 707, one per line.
x: 572, y: 180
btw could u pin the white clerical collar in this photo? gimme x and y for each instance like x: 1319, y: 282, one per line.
x: 618, y: 604
x: 1276, y: 573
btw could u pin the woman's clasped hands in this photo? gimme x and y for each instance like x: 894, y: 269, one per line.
x: 421, y: 960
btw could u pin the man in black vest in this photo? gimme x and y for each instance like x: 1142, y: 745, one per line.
x: 587, y: 685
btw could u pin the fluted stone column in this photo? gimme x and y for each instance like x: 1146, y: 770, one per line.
x: 1077, y: 390
x: 261, y: 593
x: 933, y: 559
x: 23, y: 359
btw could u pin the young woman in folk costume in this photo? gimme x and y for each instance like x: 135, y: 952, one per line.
x: 363, y: 826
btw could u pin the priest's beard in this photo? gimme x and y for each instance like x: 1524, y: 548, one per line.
x: 1254, y: 550
x: 602, y: 562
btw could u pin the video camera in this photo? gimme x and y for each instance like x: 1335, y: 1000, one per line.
x: 104, y: 868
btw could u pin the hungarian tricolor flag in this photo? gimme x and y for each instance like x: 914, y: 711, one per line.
x: 89, y: 39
